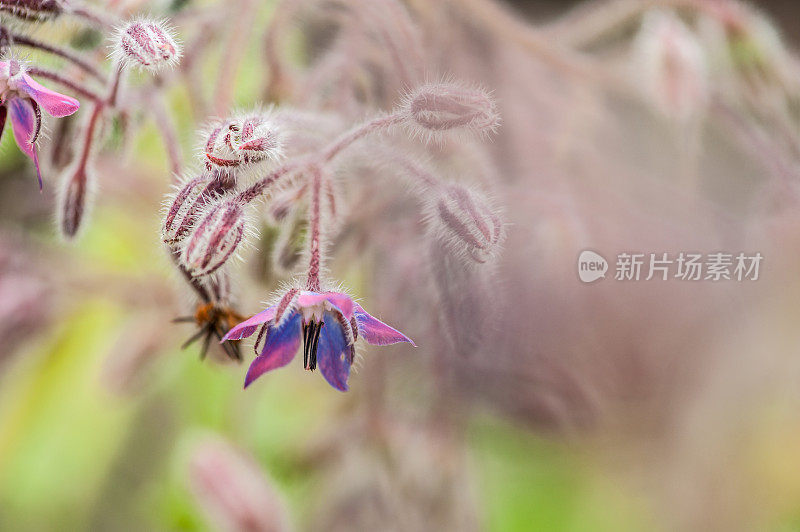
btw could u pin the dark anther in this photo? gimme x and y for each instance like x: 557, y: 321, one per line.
x: 310, y: 342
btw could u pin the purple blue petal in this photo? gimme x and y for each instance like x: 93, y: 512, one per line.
x: 281, y: 346
x: 333, y: 355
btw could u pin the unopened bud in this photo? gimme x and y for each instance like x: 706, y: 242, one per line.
x: 243, y: 141
x: 187, y: 202
x: 148, y: 44
x: 233, y: 491
x: 215, y: 238
x: 438, y: 107
x: 673, y: 66
x: 468, y: 225
x: 74, y: 201
x: 32, y: 9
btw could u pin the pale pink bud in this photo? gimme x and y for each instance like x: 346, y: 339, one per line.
x: 232, y: 490
x: 214, y: 239
x: 672, y: 66
x: 467, y: 224
x: 74, y: 200
x: 148, y: 44
x: 243, y: 141
x: 437, y: 107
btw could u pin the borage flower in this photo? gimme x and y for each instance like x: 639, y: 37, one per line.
x: 23, y: 96
x: 329, y: 324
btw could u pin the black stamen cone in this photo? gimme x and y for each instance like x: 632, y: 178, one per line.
x: 310, y: 342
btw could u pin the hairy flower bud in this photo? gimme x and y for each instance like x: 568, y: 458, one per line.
x: 148, y: 44
x: 467, y: 224
x: 74, y: 200
x: 672, y: 65
x: 243, y: 141
x: 437, y: 107
x: 32, y: 9
x: 215, y: 238
x: 183, y: 207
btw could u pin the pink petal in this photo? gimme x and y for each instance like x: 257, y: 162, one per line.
x: 54, y: 103
x: 249, y: 326
x: 343, y: 302
x: 280, y: 349
x: 23, y: 122
x: 376, y: 332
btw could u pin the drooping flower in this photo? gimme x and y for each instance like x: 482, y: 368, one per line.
x: 329, y: 323
x: 23, y: 98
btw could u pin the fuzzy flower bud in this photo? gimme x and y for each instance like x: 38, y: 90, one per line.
x: 31, y: 9
x: 672, y: 65
x: 148, y: 44
x: 467, y: 224
x: 215, y: 238
x: 437, y: 107
x: 74, y: 200
x: 243, y: 141
x: 186, y: 203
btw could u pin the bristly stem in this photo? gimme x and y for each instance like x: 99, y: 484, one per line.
x: 375, y: 125
x: 74, y: 58
x: 312, y: 281
x: 91, y: 125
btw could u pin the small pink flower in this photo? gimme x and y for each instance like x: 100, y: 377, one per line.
x: 24, y: 97
x: 329, y: 324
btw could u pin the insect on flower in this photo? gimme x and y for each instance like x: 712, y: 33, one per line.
x: 329, y: 324
x: 23, y: 97
x: 213, y: 320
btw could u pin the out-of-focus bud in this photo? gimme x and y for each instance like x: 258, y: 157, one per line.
x: 74, y: 200
x: 32, y: 9
x: 243, y: 141
x: 437, y: 107
x: 215, y: 238
x: 672, y: 66
x: 233, y: 491
x: 467, y: 224
x: 148, y: 44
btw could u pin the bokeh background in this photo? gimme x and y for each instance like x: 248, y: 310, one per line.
x: 533, y: 402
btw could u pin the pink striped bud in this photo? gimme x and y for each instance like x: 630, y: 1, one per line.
x: 243, y: 141
x: 32, y: 9
x: 437, y: 107
x: 186, y: 203
x: 467, y: 224
x: 214, y: 239
x: 74, y: 200
x: 148, y: 44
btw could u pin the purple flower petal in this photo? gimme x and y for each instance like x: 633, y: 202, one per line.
x: 25, y: 125
x: 333, y: 354
x: 249, y: 326
x: 281, y: 346
x: 343, y: 302
x: 54, y: 103
x: 376, y: 332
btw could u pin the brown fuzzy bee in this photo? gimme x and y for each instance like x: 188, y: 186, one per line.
x: 213, y: 322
